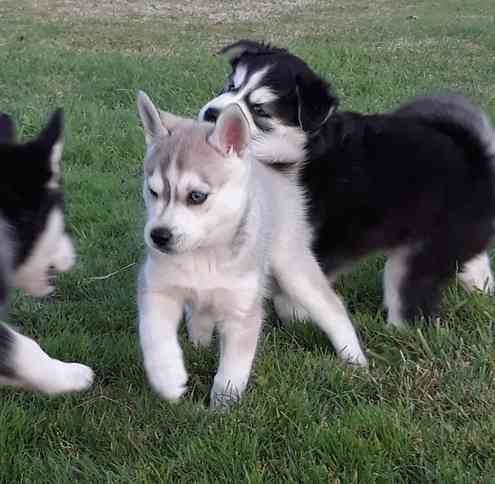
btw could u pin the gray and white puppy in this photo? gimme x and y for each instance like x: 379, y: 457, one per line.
x: 220, y: 226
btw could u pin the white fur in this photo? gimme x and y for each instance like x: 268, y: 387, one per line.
x: 52, y: 251
x: 35, y: 370
x: 55, y: 157
x: 393, y: 276
x: 476, y: 274
x: 282, y: 144
x: 262, y: 95
x: 239, y: 76
x: 286, y: 310
x: 238, y: 96
x: 223, y: 279
x: 155, y: 182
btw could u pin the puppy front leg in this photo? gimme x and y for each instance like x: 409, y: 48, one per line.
x: 159, y: 317
x: 24, y: 364
x: 238, y: 339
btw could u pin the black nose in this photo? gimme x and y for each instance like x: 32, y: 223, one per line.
x: 161, y: 237
x: 211, y: 115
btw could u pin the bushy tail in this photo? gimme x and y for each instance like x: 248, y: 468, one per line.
x: 456, y: 116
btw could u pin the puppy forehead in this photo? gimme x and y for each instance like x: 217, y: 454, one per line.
x: 157, y: 155
x: 254, y: 79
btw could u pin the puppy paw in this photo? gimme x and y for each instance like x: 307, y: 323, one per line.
x: 60, y: 377
x: 170, y: 385
x: 354, y: 356
x: 225, y: 391
x: 222, y: 397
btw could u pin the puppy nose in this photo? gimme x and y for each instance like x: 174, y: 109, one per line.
x: 211, y: 114
x: 161, y: 237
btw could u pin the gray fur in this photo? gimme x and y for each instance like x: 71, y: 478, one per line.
x: 223, y: 253
x: 453, y: 108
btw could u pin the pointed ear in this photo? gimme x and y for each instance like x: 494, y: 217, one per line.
x: 171, y: 121
x: 52, y: 140
x: 7, y: 129
x: 150, y: 118
x: 231, y: 133
x: 316, y: 103
x: 235, y: 51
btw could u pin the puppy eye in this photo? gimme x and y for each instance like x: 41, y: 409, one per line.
x: 259, y: 111
x: 197, y: 198
x: 153, y: 193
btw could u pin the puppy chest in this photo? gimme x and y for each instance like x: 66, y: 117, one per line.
x: 230, y: 297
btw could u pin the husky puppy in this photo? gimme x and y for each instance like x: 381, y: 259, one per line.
x: 416, y: 183
x: 33, y: 248
x: 219, y: 224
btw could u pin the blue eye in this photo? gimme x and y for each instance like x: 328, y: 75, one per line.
x: 197, y: 198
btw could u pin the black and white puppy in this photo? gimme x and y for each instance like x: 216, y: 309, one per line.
x: 417, y: 182
x: 33, y: 248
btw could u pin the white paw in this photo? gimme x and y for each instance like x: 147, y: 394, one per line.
x: 223, y: 395
x: 354, y: 356
x: 287, y: 311
x: 169, y: 383
x: 65, y: 378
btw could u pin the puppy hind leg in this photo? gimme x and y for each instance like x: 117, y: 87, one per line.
x: 238, y: 341
x: 427, y: 272
x: 305, y: 283
x: 200, y: 328
x: 393, y: 279
x: 287, y: 310
x: 476, y: 274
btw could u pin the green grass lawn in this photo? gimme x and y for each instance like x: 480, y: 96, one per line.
x: 424, y: 412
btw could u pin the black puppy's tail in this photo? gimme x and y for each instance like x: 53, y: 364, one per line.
x: 454, y: 115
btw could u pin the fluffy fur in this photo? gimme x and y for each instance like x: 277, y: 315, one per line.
x: 219, y: 226
x: 33, y: 248
x: 417, y: 182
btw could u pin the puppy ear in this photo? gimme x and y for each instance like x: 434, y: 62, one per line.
x: 52, y: 140
x: 171, y: 121
x: 7, y: 129
x: 235, y: 51
x: 231, y: 133
x: 316, y: 103
x: 152, y: 124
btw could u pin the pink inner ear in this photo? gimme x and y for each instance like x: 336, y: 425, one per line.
x: 233, y: 136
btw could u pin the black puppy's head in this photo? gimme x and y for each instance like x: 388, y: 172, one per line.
x: 31, y: 204
x: 284, y: 100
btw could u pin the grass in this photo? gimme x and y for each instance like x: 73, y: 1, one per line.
x: 424, y: 412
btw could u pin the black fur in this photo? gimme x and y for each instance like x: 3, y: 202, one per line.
x: 25, y: 204
x: 25, y: 200
x: 420, y: 177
